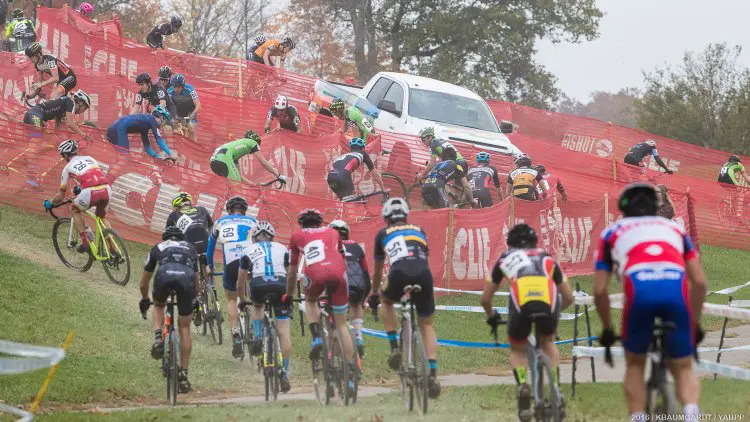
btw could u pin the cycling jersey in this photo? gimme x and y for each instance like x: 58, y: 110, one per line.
x: 649, y: 254
x: 354, y: 116
x: 224, y: 159
x: 525, y: 181
x: 288, y: 118
x: 324, y: 263
x: 195, y: 223
x: 480, y: 177
x: 154, y: 96
x: 178, y: 264
x: 270, y: 45
x: 351, y: 161
x: 268, y: 260
x: 727, y: 174
x: 184, y: 101
x: 50, y: 63
x: 84, y: 170
x: 437, y: 146
x: 357, y: 272
x: 639, y: 151
x: 21, y: 28
x: 52, y: 109
x: 233, y: 232
x: 444, y: 172
x: 549, y: 181
x: 155, y: 38
x: 141, y: 123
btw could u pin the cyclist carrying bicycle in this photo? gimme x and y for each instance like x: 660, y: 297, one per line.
x: 141, y: 123
x: 433, y: 189
x: 225, y: 158
x: 269, y: 261
x: 361, y: 124
x: 524, y: 181
x: 536, y: 283
x: 733, y: 172
x: 287, y: 115
x: 358, y: 278
x: 233, y: 232
x: 480, y: 177
x: 638, y: 152
x: 405, y: 246
x: 178, y: 270
x: 60, y: 75
x: 325, y: 268
x: 92, y: 189
x: 437, y: 146
x: 62, y: 108
x: 340, y: 175
x: 662, y: 278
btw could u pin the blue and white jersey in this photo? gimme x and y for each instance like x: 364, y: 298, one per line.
x: 233, y: 232
x: 268, y: 260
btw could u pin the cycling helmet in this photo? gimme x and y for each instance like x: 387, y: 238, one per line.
x: 483, y: 157
x: 522, y: 160
x: 449, y: 154
x: 288, y: 41
x: 341, y: 227
x: 160, y: 111
x: 181, y: 199
x: 251, y: 134
x: 310, y: 217
x: 17, y: 13
x: 522, y: 236
x: 260, y: 39
x: 734, y: 158
x: 336, y: 105
x: 541, y: 169
x: 650, y: 142
x: 143, y: 78
x: 33, y: 49
x: 638, y: 199
x: 86, y: 8
x: 281, y: 102
x: 395, y: 209
x: 177, y: 80
x: 165, y: 72
x: 176, y: 22
x: 67, y: 147
x: 428, y: 131
x: 264, y: 227
x: 357, y: 142
x: 82, y: 97
x: 172, y: 233
x: 235, y: 203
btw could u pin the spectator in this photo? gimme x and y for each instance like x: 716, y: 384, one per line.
x: 550, y: 181
x: 21, y: 31
x: 155, y: 38
x: 666, y: 206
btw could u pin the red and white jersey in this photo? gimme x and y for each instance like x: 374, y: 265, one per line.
x: 645, y: 249
x: 550, y: 182
x: 85, y: 170
x: 320, y: 247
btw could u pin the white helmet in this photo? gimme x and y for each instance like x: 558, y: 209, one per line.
x: 67, y: 147
x: 339, y: 225
x: 260, y: 39
x: 80, y: 95
x: 650, y: 142
x: 281, y: 102
x: 395, y: 209
x: 264, y: 227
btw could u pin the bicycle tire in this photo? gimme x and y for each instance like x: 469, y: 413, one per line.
x: 216, y: 316
x: 357, y: 363
x: 275, y: 383
x: 321, y: 370
x: 204, y: 309
x: 394, y: 183
x: 242, y: 324
x: 407, y: 389
x: 66, y: 223
x: 421, y: 372
x: 414, y: 197
x: 172, y: 370
x: 110, y: 264
x: 661, y: 399
x: 340, y: 367
x: 544, y: 366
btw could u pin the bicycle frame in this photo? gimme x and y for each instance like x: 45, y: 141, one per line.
x: 168, y: 333
x: 658, y: 379
x: 99, y: 235
x: 407, y: 328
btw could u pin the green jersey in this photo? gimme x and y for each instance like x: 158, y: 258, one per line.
x: 727, y: 174
x: 364, y: 123
x: 224, y: 159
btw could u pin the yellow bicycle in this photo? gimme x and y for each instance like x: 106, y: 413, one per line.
x: 107, y: 247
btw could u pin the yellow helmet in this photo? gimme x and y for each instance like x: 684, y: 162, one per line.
x: 181, y: 199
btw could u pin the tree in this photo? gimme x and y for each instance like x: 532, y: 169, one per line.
x: 704, y: 101
x: 131, y: 17
x: 617, y: 107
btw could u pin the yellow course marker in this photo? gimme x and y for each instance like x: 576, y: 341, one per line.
x: 50, y: 375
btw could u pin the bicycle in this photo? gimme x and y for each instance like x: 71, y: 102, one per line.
x: 457, y: 197
x: 363, y: 198
x: 65, y: 240
x: 550, y: 407
x: 209, y: 308
x: 25, y: 98
x: 414, y: 371
x: 170, y: 364
x: 272, y: 361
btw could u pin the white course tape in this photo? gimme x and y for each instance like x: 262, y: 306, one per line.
x: 732, y: 312
x: 37, y: 357
x: 729, y: 290
x: 740, y: 303
x: 582, y: 351
x: 471, y: 292
x: 25, y: 416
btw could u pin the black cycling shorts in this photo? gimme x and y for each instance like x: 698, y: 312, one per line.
x: 630, y: 159
x: 403, y: 274
x: 232, y: 271
x: 256, y: 58
x: 519, y: 322
x: 155, y: 41
x: 357, y: 295
x: 288, y: 126
x: 69, y: 82
x: 31, y: 117
x: 260, y: 287
x: 484, y: 196
x: 434, y: 196
x: 179, y: 278
x: 341, y: 184
x: 198, y: 237
x: 220, y: 168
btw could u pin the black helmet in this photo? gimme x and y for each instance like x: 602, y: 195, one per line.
x: 638, y: 200
x: 235, y: 203
x: 165, y: 72
x: 522, y: 236
x: 541, y: 169
x: 172, y: 232
x: 251, y: 134
x: 176, y: 22
x: 17, y: 13
x: 449, y: 153
x: 734, y: 158
x: 33, y: 49
x: 310, y: 217
x: 143, y: 78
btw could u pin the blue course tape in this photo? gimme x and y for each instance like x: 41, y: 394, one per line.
x: 468, y: 344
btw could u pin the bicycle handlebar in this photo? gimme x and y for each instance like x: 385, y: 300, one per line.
x: 281, y: 182
x: 66, y: 202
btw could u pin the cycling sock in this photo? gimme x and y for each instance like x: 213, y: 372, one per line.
x: 285, y: 363
x: 638, y: 416
x: 433, y: 366
x: 357, y: 323
x: 84, y: 238
x: 257, y: 328
x: 315, y: 329
x: 157, y: 334
x: 520, y: 374
x: 692, y: 409
x: 393, y: 339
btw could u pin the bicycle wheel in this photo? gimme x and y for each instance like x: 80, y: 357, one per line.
x: 340, y: 368
x: 274, y: 362
x: 357, y: 365
x: 61, y: 231
x: 205, y: 310
x: 216, y: 317
x: 117, y: 266
x: 407, y: 389
x: 414, y: 197
x: 553, y: 400
x: 172, y: 369
x: 421, y: 372
x: 661, y: 399
x: 321, y: 373
x: 394, y: 184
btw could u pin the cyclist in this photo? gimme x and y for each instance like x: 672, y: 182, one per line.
x: 549, y: 181
x: 178, y: 271
x: 155, y: 38
x: 195, y: 222
x: 269, y: 261
x: 405, y: 245
x: 663, y: 278
x: 273, y: 48
x: 536, y: 284
x: 287, y: 115
x: 233, y: 232
x: 733, y: 172
x: 142, y: 123
x: 62, y: 108
x: 94, y: 189
x: 186, y: 103
x: 639, y: 151
x: 524, y: 180
x: 226, y: 157
x: 437, y: 146
x: 165, y: 75
x: 433, y: 189
x: 340, y: 176
x: 480, y: 178
x: 154, y: 94
x: 85, y: 9
x: 361, y: 124
x: 324, y: 268
x: 257, y: 42
x: 20, y: 31
x: 358, y: 278
x: 60, y: 75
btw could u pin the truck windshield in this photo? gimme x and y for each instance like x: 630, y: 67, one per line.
x: 451, y: 109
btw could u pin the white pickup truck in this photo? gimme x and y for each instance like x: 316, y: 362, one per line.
x: 409, y: 103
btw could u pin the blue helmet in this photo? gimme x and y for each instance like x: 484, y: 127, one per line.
x: 177, y: 80
x: 160, y: 111
x: 483, y: 157
x: 357, y: 142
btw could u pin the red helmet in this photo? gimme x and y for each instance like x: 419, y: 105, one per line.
x: 309, y: 216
